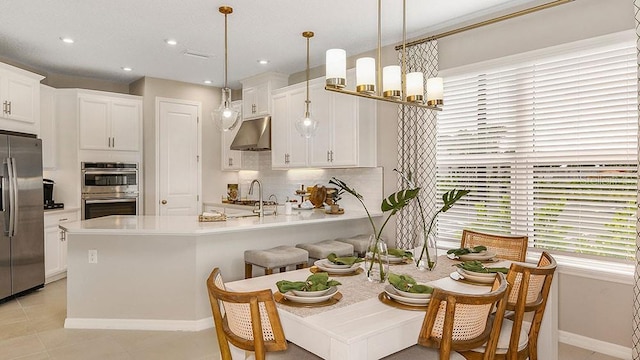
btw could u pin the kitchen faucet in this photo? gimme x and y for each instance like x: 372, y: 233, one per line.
x: 260, y: 203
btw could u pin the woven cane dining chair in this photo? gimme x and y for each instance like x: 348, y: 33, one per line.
x: 248, y: 320
x: 530, y: 288
x: 460, y: 322
x: 506, y: 247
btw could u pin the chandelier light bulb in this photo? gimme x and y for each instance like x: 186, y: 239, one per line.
x: 392, y: 81
x: 336, y: 60
x: 415, y: 87
x: 435, y: 91
x: 366, y: 75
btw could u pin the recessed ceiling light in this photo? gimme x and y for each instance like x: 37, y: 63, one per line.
x: 171, y: 42
x: 125, y: 68
x: 263, y: 62
x: 207, y: 82
x: 67, y: 40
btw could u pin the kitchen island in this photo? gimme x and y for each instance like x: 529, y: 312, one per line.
x: 149, y: 272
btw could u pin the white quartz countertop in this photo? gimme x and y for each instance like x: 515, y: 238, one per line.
x: 189, y: 225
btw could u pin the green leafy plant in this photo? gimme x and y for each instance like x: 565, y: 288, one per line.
x: 392, y: 204
x: 448, y: 200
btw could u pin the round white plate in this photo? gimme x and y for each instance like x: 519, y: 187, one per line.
x: 393, y: 293
x: 318, y: 293
x: 328, y: 264
x: 471, y: 276
x: 395, y: 259
x: 321, y: 265
x: 478, y: 274
x: 310, y: 300
x: 483, y: 255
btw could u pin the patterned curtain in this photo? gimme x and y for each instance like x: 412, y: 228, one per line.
x: 636, y: 288
x: 417, y: 147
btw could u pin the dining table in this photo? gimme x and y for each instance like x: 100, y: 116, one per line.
x: 364, y: 324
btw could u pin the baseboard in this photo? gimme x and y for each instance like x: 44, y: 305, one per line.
x: 617, y: 351
x: 139, y: 324
x: 55, y: 277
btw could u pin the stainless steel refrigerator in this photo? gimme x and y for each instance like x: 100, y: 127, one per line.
x: 21, y: 219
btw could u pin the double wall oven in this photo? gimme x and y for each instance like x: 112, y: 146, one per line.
x: 109, y: 188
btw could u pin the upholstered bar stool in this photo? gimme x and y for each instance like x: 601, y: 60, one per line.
x: 277, y: 257
x: 359, y: 243
x: 322, y: 249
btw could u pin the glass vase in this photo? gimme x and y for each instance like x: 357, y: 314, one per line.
x: 376, y: 260
x: 426, y: 252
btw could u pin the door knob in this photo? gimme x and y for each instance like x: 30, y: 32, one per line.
x: 163, y: 202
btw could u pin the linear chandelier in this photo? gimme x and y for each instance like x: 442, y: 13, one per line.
x: 391, y: 83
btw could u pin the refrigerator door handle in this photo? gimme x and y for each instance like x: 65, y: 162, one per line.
x: 14, y: 187
x: 6, y: 207
x: 12, y: 196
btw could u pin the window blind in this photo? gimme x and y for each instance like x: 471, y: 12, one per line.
x: 548, y: 148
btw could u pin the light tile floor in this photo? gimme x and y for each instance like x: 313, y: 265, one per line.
x: 31, y: 328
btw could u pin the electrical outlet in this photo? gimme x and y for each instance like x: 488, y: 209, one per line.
x: 93, y: 256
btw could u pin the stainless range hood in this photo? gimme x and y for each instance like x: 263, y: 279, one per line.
x: 253, y: 135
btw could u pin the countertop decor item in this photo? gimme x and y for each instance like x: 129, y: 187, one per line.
x: 392, y: 204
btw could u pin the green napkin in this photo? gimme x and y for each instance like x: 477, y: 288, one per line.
x: 315, y: 282
x: 407, y: 283
x: 477, y: 266
x: 465, y: 251
x: 401, y: 253
x: 344, y: 260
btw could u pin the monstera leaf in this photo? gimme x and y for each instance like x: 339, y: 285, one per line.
x: 450, y: 197
x: 398, y: 200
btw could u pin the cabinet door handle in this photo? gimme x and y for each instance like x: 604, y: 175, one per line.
x: 63, y: 219
x: 9, y: 107
x: 328, y: 158
x: 230, y: 161
x: 331, y: 155
x: 4, y: 107
x: 253, y: 108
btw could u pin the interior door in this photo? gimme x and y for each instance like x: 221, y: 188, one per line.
x: 178, y: 170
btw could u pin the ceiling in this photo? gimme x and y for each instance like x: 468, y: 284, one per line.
x: 113, y: 34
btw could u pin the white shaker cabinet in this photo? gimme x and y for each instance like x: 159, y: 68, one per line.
x: 256, y: 93
x: 109, y: 123
x: 20, y: 97
x: 231, y: 159
x: 346, y: 133
x: 48, y: 131
x: 288, y: 148
x: 55, y: 244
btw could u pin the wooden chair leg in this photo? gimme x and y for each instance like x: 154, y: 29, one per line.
x: 283, y: 269
x: 301, y: 266
x: 268, y: 271
x: 248, y: 271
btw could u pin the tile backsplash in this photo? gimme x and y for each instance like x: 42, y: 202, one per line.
x: 284, y: 183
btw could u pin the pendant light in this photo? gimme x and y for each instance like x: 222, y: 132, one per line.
x: 225, y: 117
x: 307, y: 125
x: 391, y: 83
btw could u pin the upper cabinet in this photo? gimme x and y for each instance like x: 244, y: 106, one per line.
x: 20, y: 97
x: 288, y: 148
x: 48, y: 126
x: 109, y: 122
x: 256, y: 93
x: 346, y: 133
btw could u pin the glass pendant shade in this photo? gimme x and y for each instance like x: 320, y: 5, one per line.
x: 435, y: 91
x: 415, y: 87
x: 225, y: 117
x: 366, y: 75
x: 391, y: 81
x: 336, y: 72
x: 306, y: 126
